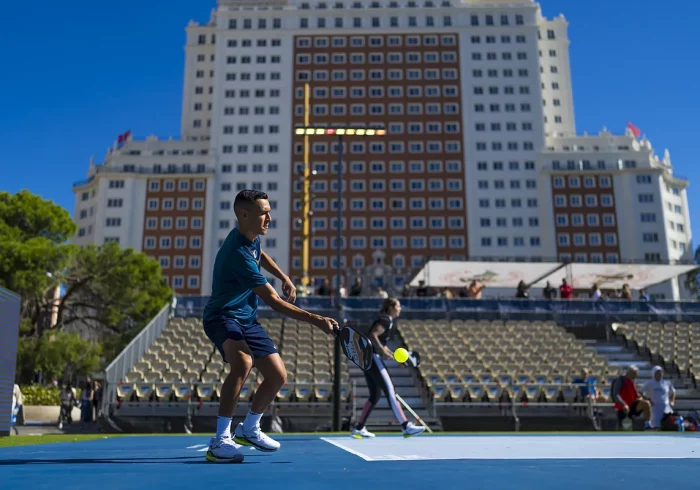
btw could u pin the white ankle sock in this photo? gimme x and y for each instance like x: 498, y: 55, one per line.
x: 251, y: 420
x: 223, y: 427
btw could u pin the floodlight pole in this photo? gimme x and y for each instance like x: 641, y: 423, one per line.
x: 306, y: 199
x: 339, y: 132
x: 338, y: 272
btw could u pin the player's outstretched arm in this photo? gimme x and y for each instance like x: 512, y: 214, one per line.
x: 288, y: 287
x: 268, y: 294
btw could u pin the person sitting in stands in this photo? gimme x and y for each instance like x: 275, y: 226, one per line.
x: 628, y: 402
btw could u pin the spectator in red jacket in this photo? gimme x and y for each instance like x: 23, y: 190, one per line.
x: 565, y: 291
x: 628, y: 402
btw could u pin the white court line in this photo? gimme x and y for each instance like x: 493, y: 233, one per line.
x: 522, y: 448
x: 345, y: 448
x: 205, y: 447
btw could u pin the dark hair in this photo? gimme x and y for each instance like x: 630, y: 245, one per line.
x: 245, y: 198
x: 387, y: 305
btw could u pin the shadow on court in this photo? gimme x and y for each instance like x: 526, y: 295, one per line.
x: 177, y: 460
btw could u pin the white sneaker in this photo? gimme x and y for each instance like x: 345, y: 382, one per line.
x: 256, y: 438
x: 362, y: 433
x: 412, y: 430
x: 223, y: 451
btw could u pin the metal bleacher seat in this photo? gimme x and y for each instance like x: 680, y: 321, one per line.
x: 152, y: 376
x: 190, y: 376
x: 322, y: 392
x: 133, y: 376
x: 206, y: 391
x: 170, y: 377
x: 125, y: 391
x: 303, y: 391
x: 164, y: 391
x: 143, y: 390
x: 182, y: 391
x: 159, y: 366
x: 141, y: 367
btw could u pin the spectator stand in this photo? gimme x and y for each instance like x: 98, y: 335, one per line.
x: 170, y: 372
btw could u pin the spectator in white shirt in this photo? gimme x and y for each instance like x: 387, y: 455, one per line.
x: 661, y: 394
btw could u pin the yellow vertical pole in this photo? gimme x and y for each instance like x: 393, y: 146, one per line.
x: 306, y: 197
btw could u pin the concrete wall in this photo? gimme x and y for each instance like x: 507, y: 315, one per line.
x: 9, y: 331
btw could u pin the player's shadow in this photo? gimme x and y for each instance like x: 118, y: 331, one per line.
x: 69, y: 461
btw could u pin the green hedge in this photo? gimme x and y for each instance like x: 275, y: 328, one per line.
x: 43, y: 395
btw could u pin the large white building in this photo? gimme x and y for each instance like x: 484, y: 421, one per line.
x: 481, y: 159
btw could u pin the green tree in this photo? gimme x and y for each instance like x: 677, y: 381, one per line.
x: 62, y: 355
x: 112, y: 289
x: 33, y: 233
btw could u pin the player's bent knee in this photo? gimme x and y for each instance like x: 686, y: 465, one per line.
x: 238, y: 356
x: 279, y: 377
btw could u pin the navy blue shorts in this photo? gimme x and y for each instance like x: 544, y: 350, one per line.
x: 259, y: 342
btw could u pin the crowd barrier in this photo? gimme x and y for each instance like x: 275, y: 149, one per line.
x: 425, y: 308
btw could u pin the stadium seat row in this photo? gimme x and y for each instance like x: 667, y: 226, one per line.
x: 206, y: 392
x: 494, y: 393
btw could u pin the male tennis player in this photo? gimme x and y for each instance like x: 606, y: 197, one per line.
x: 378, y: 377
x: 230, y: 323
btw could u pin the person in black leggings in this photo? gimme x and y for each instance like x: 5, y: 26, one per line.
x: 378, y: 378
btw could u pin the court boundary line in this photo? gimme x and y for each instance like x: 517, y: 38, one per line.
x: 516, y: 457
x: 345, y: 448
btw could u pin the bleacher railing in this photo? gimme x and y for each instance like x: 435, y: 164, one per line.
x: 425, y: 308
x: 130, y: 355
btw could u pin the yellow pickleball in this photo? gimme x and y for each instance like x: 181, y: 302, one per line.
x: 401, y: 355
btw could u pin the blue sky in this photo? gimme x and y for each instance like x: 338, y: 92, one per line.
x: 83, y: 72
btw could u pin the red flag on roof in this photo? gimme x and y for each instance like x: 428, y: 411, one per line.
x: 635, y: 130
x: 123, y: 138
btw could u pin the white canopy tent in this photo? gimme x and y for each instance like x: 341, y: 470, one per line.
x: 614, y: 276
x: 452, y: 274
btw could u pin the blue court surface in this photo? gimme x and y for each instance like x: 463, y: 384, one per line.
x: 522, y: 461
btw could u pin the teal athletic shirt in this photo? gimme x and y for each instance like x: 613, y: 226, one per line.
x: 236, y: 273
